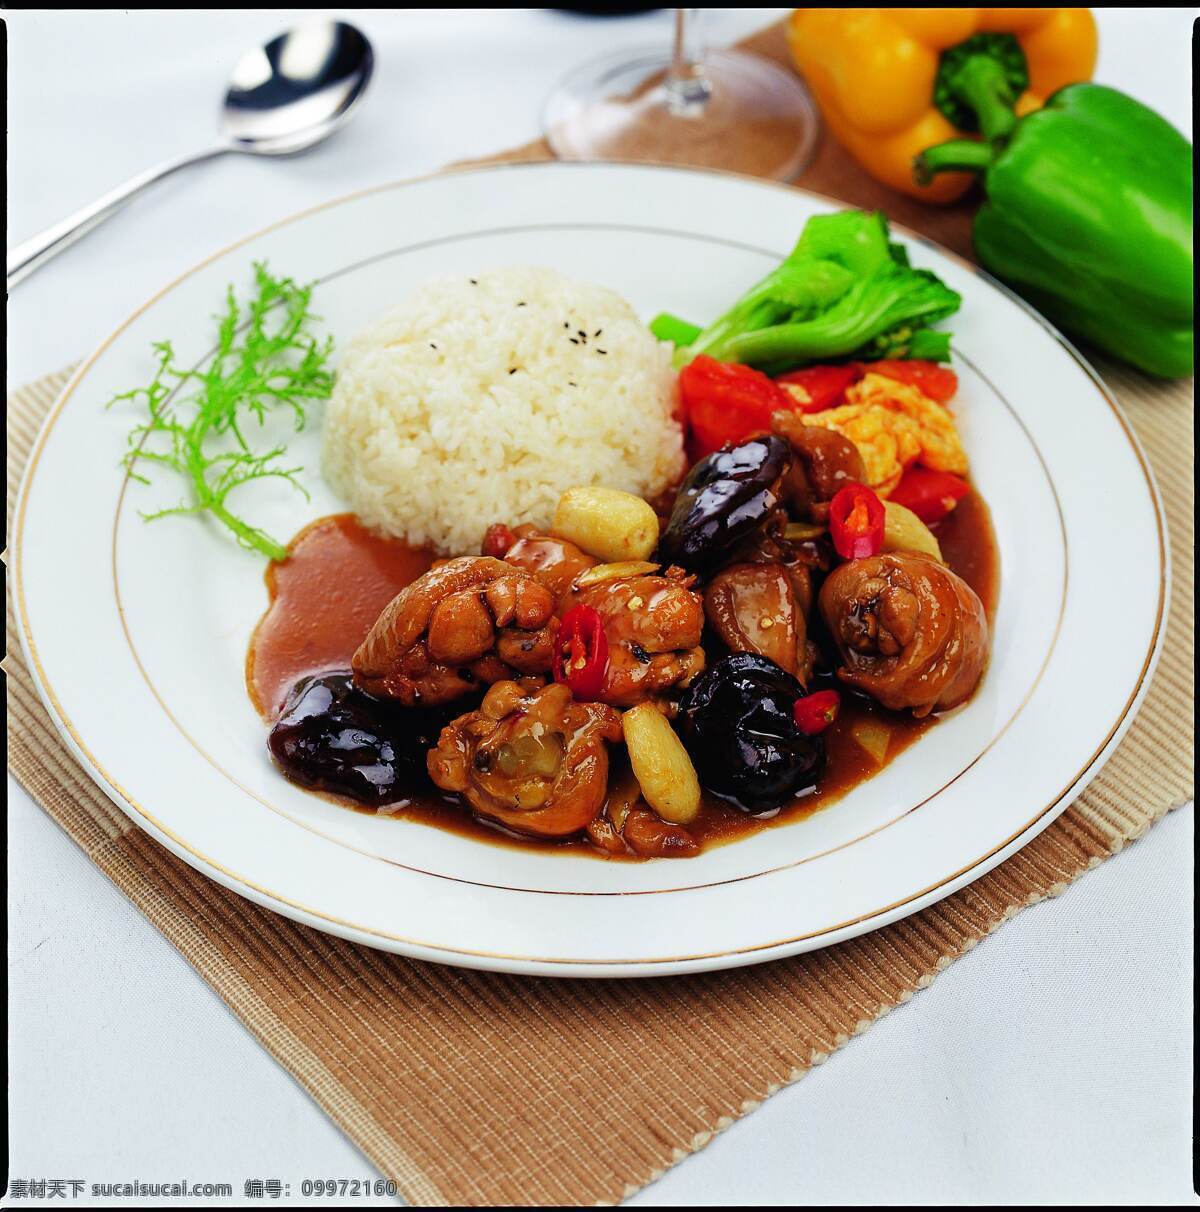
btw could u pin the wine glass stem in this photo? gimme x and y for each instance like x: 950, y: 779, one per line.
x: 687, y: 88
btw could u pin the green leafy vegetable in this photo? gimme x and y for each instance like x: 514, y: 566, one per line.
x: 267, y: 359
x: 872, y: 306
x: 844, y: 290
x: 667, y: 327
x: 903, y: 341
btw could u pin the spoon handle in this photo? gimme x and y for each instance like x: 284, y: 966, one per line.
x: 27, y: 256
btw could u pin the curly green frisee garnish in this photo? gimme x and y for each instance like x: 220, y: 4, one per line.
x: 267, y: 359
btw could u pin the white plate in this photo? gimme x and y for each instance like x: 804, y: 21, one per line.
x: 137, y: 633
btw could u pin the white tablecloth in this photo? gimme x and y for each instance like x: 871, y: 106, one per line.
x: 1051, y: 1063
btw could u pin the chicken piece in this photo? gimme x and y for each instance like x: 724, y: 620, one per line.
x: 555, y: 562
x: 625, y: 824
x: 825, y: 461
x: 467, y: 621
x: 910, y: 633
x: 894, y: 425
x: 801, y: 558
x: 649, y: 836
x: 644, y: 834
x: 653, y: 624
x: 602, y: 833
x: 753, y: 608
x: 537, y: 763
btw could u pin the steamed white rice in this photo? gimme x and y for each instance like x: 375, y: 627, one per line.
x: 480, y: 401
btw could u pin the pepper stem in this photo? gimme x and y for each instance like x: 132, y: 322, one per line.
x: 955, y: 155
x: 979, y: 81
x: 982, y: 83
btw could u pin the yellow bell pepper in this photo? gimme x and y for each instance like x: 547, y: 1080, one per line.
x: 874, y: 71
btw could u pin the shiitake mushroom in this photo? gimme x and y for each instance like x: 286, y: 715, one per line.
x: 725, y: 498
x: 334, y: 737
x: 737, y: 724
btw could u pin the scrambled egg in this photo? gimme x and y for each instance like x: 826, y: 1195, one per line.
x: 893, y: 425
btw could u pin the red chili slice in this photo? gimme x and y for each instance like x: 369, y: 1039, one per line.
x: 931, y: 495
x: 815, y: 712
x: 856, y: 522
x: 581, y: 652
x: 497, y: 540
x: 725, y: 402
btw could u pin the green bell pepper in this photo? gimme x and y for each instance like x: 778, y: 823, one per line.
x: 1088, y: 212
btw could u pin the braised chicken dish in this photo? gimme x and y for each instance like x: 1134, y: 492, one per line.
x: 638, y: 679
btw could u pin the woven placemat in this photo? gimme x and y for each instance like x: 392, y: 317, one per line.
x: 473, y: 1088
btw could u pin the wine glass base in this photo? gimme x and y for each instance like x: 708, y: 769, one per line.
x: 742, y: 114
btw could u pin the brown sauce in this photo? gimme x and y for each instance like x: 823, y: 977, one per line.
x: 339, y: 576
x: 969, y: 547
x: 324, y: 598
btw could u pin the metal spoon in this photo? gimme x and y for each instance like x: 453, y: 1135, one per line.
x: 284, y: 98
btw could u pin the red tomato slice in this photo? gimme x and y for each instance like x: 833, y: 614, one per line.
x: 931, y: 495
x: 724, y: 402
x: 937, y: 382
x: 825, y: 385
